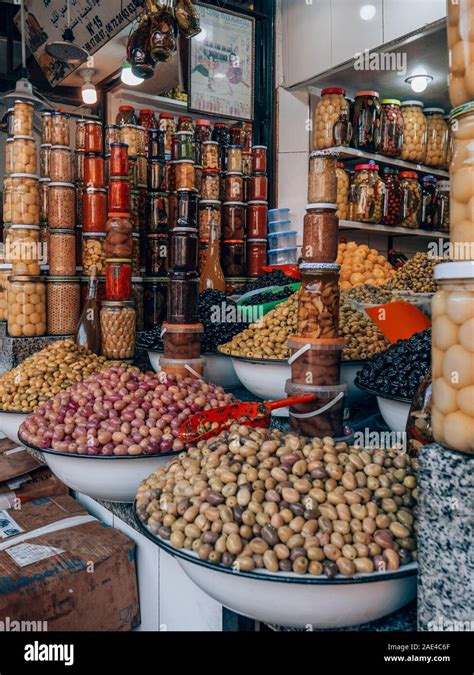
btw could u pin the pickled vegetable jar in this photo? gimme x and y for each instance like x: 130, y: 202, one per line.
x: 25, y: 200
x: 441, y: 221
x: 26, y: 306
x: 5, y: 272
x: 460, y: 40
x: 182, y: 341
x: 62, y: 253
x: 137, y: 297
x: 183, y: 295
x: 233, y: 257
x: 322, y: 181
x: 320, y: 233
x: 45, y: 157
x: 318, y: 300
x: 393, y: 202
x: 429, y: 195
x: 256, y: 256
x: 23, y: 150
x: 414, y: 131
x: 118, y: 242
x: 60, y: 128
x: 118, y: 279
x: 22, y: 249
x: 412, y: 199
x: 23, y: 118
x: 118, y: 328
x: 367, y: 120
x: 64, y: 305
x: 155, y: 294
x: 391, y: 134
x: 452, y: 414
x: 331, y: 113
x: 94, y: 209
x: 61, y: 164
x: 183, y: 250
x: 437, y: 137
x: 61, y: 206
x: 342, y: 197
x: 369, y: 193
x: 462, y: 180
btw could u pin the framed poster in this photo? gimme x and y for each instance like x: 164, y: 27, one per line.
x: 222, y: 64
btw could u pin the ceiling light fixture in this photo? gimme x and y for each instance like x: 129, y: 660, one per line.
x: 89, y: 92
x: 367, y: 12
x: 419, y: 82
x: 128, y: 77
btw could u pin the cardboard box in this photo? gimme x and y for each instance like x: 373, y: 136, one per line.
x: 62, y: 568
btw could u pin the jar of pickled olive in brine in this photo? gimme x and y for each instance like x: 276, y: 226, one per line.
x: 429, y: 196
x: 441, y: 221
x: 342, y: 199
x: 462, y: 178
x: 391, y: 135
x: 414, y: 131
x: 26, y: 306
x: 327, y: 114
x: 437, y: 137
x: 460, y: 43
x: 393, y: 202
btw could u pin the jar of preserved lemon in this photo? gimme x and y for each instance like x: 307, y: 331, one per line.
x: 462, y: 182
x: 26, y: 306
x: 25, y: 199
x: 414, y: 131
x: 342, y: 198
x: 23, y: 250
x: 436, y: 137
x: 5, y: 272
x: 331, y: 111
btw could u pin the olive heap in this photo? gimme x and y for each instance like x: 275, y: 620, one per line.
x: 260, y: 499
x: 399, y: 370
x: 270, y: 296
x: 416, y: 275
x: 274, y: 278
x: 362, y: 337
x: 120, y: 412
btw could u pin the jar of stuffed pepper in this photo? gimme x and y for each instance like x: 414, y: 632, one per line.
x: 437, y: 137
x: 441, y: 221
x: 391, y: 135
x: 393, y: 202
x: 330, y: 111
x: 414, y: 131
x: 367, y: 120
x: 412, y: 199
x: 369, y: 193
x: 429, y: 195
x: 118, y: 279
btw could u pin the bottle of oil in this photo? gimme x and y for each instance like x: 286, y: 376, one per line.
x: 212, y: 276
x: 88, y: 329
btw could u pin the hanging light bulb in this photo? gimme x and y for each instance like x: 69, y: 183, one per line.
x: 418, y: 83
x: 89, y: 92
x: 128, y: 77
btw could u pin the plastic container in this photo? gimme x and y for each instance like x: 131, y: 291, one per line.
x: 283, y: 256
x: 320, y: 233
x: 26, y: 306
x: 25, y: 200
x: 64, y: 304
x: 462, y: 181
x: 183, y: 297
x: 322, y: 182
x: 257, y: 213
x: 182, y: 341
x: 332, y: 107
x: 61, y: 206
x: 412, y: 199
x: 278, y: 215
x: 118, y: 329
x: 322, y: 417
x: 452, y: 415
x: 318, y: 301
x: 414, y: 131
x: 315, y: 362
x: 391, y: 133
x: 22, y: 249
x: 183, y: 250
x: 62, y: 253
x: 183, y: 367
x: 118, y: 279
x: 279, y: 226
x: 285, y: 239
x: 23, y: 155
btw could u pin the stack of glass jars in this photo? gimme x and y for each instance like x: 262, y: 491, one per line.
x: 257, y: 198
x: 233, y: 213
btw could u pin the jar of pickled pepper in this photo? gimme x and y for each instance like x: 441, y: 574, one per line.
x: 412, y: 199
x: 369, y: 193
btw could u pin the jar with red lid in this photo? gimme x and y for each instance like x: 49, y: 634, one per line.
x: 203, y: 130
x: 234, y: 187
x: 233, y: 257
x: 156, y: 144
x: 183, y: 250
x: 259, y: 187
x: 157, y: 175
x: 94, y: 136
x: 256, y: 256
x: 157, y: 213
x: 118, y: 242
x: 185, y: 123
x: 234, y: 159
x: 257, y: 218
x: 368, y: 193
x: 367, y: 120
x: 125, y: 115
x: 118, y: 279
x: 94, y: 170
x: 331, y: 123
x: 259, y: 159
x: 391, y: 133
x: 119, y: 195
x: 147, y: 120
x: 233, y: 221
x: 156, y: 254
x: 94, y: 209
x: 118, y: 161
x: 393, y: 202
x: 187, y: 208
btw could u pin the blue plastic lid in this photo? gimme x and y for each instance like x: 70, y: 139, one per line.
x: 281, y: 234
x: 278, y: 210
x: 279, y: 222
x: 278, y: 250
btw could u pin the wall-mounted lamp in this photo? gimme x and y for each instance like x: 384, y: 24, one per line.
x: 419, y: 82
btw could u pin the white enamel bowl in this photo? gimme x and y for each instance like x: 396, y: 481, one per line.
x: 10, y: 423
x: 218, y: 369
x: 298, y: 601
x: 394, y: 412
x: 264, y: 378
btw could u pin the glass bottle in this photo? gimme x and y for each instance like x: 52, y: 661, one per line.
x: 212, y: 276
x: 88, y: 329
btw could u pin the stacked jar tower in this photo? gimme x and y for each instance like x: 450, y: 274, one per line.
x: 452, y: 414
x: 316, y: 349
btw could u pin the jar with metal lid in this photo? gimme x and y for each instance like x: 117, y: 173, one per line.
x: 23, y: 156
x: 322, y: 181
x: 118, y: 279
x: 26, y: 306
x: 128, y: 135
x: 320, y: 233
x: 452, y: 309
x: 62, y: 253
x: 45, y: 160
x: 412, y: 199
x: 78, y: 168
x: 391, y: 134
x: 234, y: 159
x: 61, y: 206
x: 25, y: 201
x: 79, y: 204
x: 5, y: 272
x: 257, y: 216
x: 118, y: 161
x: 61, y: 164
x: 186, y: 208
x: 185, y: 141
x: 414, y: 131
x: 233, y: 221
x: 441, y: 220
x: 46, y: 127
x: 168, y: 125
x: 157, y: 175
x: 256, y: 257
x: 7, y: 199
x: 184, y: 175
x: 94, y: 170
x: 209, y: 215
x: 437, y: 137
x: 23, y: 118
x: 142, y: 170
x: 64, y: 304
x: 330, y: 111
x: 259, y: 159
x: 119, y: 195
x: 43, y: 194
x: 210, y: 185
x: 183, y: 298
x: 233, y: 257
x: 155, y: 294
x: 342, y: 197
x: 210, y: 155
x: 94, y: 136
x: 22, y: 249
x: 118, y: 242
x: 318, y: 300
x: 156, y: 254
x: 118, y: 329
x: 369, y: 193
x: 460, y: 33
x: 462, y: 177
x: 157, y: 213
x: 393, y: 201
x: 258, y: 188
x: 367, y: 120
x: 125, y: 115
x: 156, y: 144
x: 429, y: 197
x: 93, y: 252
x: 183, y: 250
x: 234, y: 187
x: 80, y: 134
x: 60, y: 128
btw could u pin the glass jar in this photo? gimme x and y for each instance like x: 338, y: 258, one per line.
x: 22, y: 249
x: 233, y: 258
x: 26, y: 306
x: 452, y: 414
x: 256, y: 257
x: 369, y: 193
x: 138, y: 301
x: 184, y: 174
x: 62, y: 253
x: 414, y: 131
x: 258, y: 188
x: 202, y: 255
x: 257, y: 217
x: 332, y: 109
x: 64, y: 305
x: 183, y: 250
x: 460, y: 34
x: 60, y: 129
x: 183, y: 298
x: 173, y: 210
x: 112, y: 135
x: 118, y: 329
x: 46, y: 128
x: 94, y: 136
x: 185, y: 148
x: 234, y: 187
x: 118, y: 279
x: 61, y: 206
x: 156, y: 254
x: 182, y: 341
x: 25, y: 201
x: 318, y: 300
x: 61, y: 164
x: 462, y: 179
x: 437, y: 137
x: 23, y: 118
x: 412, y: 199
x: 23, y: 155
x: 322, y: 181
x: 210, y: 185
x: 187, y: 208
x: 43, y: 194
x: 234, y: 159
x: 429, y: 197
x: 136, y: 254
x: 5, y: 272
x: 157, y: 213
x: 393, y: 201
x: 125, y: 115
x: 134, y: 207
x: 147, y: 120
x: 247, y: 162
x: 79, y: 204
x: 320, y: 233
x: 259, y: 159
x: 441, y: 221
x: 342, y: 187
x: 79, y: 248
x: 118, y: 162
x: 141, y: 140
x: 391, y: 134
x: 79, y: 159
x: 85, y: 282
x: 233, y: 221
x: 128, y: 135
x: 157, y: 176
x: 367, y: 120
x: 119, y: 195
x: 168, y: 125
x: 210, y: 155
x: 9, y: 156
x: 80, y: 134
x: 142, y: 170
x: 94, y: 170
x: 154, y: 301
x: 156, y: 144
x: 93, y: 252
x: 209, y: 215
x: 45, y: 160
x: 118, y: 242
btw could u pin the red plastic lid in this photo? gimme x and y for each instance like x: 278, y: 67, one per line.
x: 408, y: 174
x: 118, y: 215
x: 375, y: 94
x: 333, y: 90
x: 340, y: 165
x: 203, y: 123
x: 126, y: 108
x: 221, y: 125
x: 237, y: 241
x: 185, y: 118
x: 146, y: 111
x: 166, y: 116
x: 373, y: 167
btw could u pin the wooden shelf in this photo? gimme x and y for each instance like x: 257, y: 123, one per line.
x: 354, y: 154
x: 397, y: 231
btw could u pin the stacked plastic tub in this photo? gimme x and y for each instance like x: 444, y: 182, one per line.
x: 281, y: 238
x: 316, y: 349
